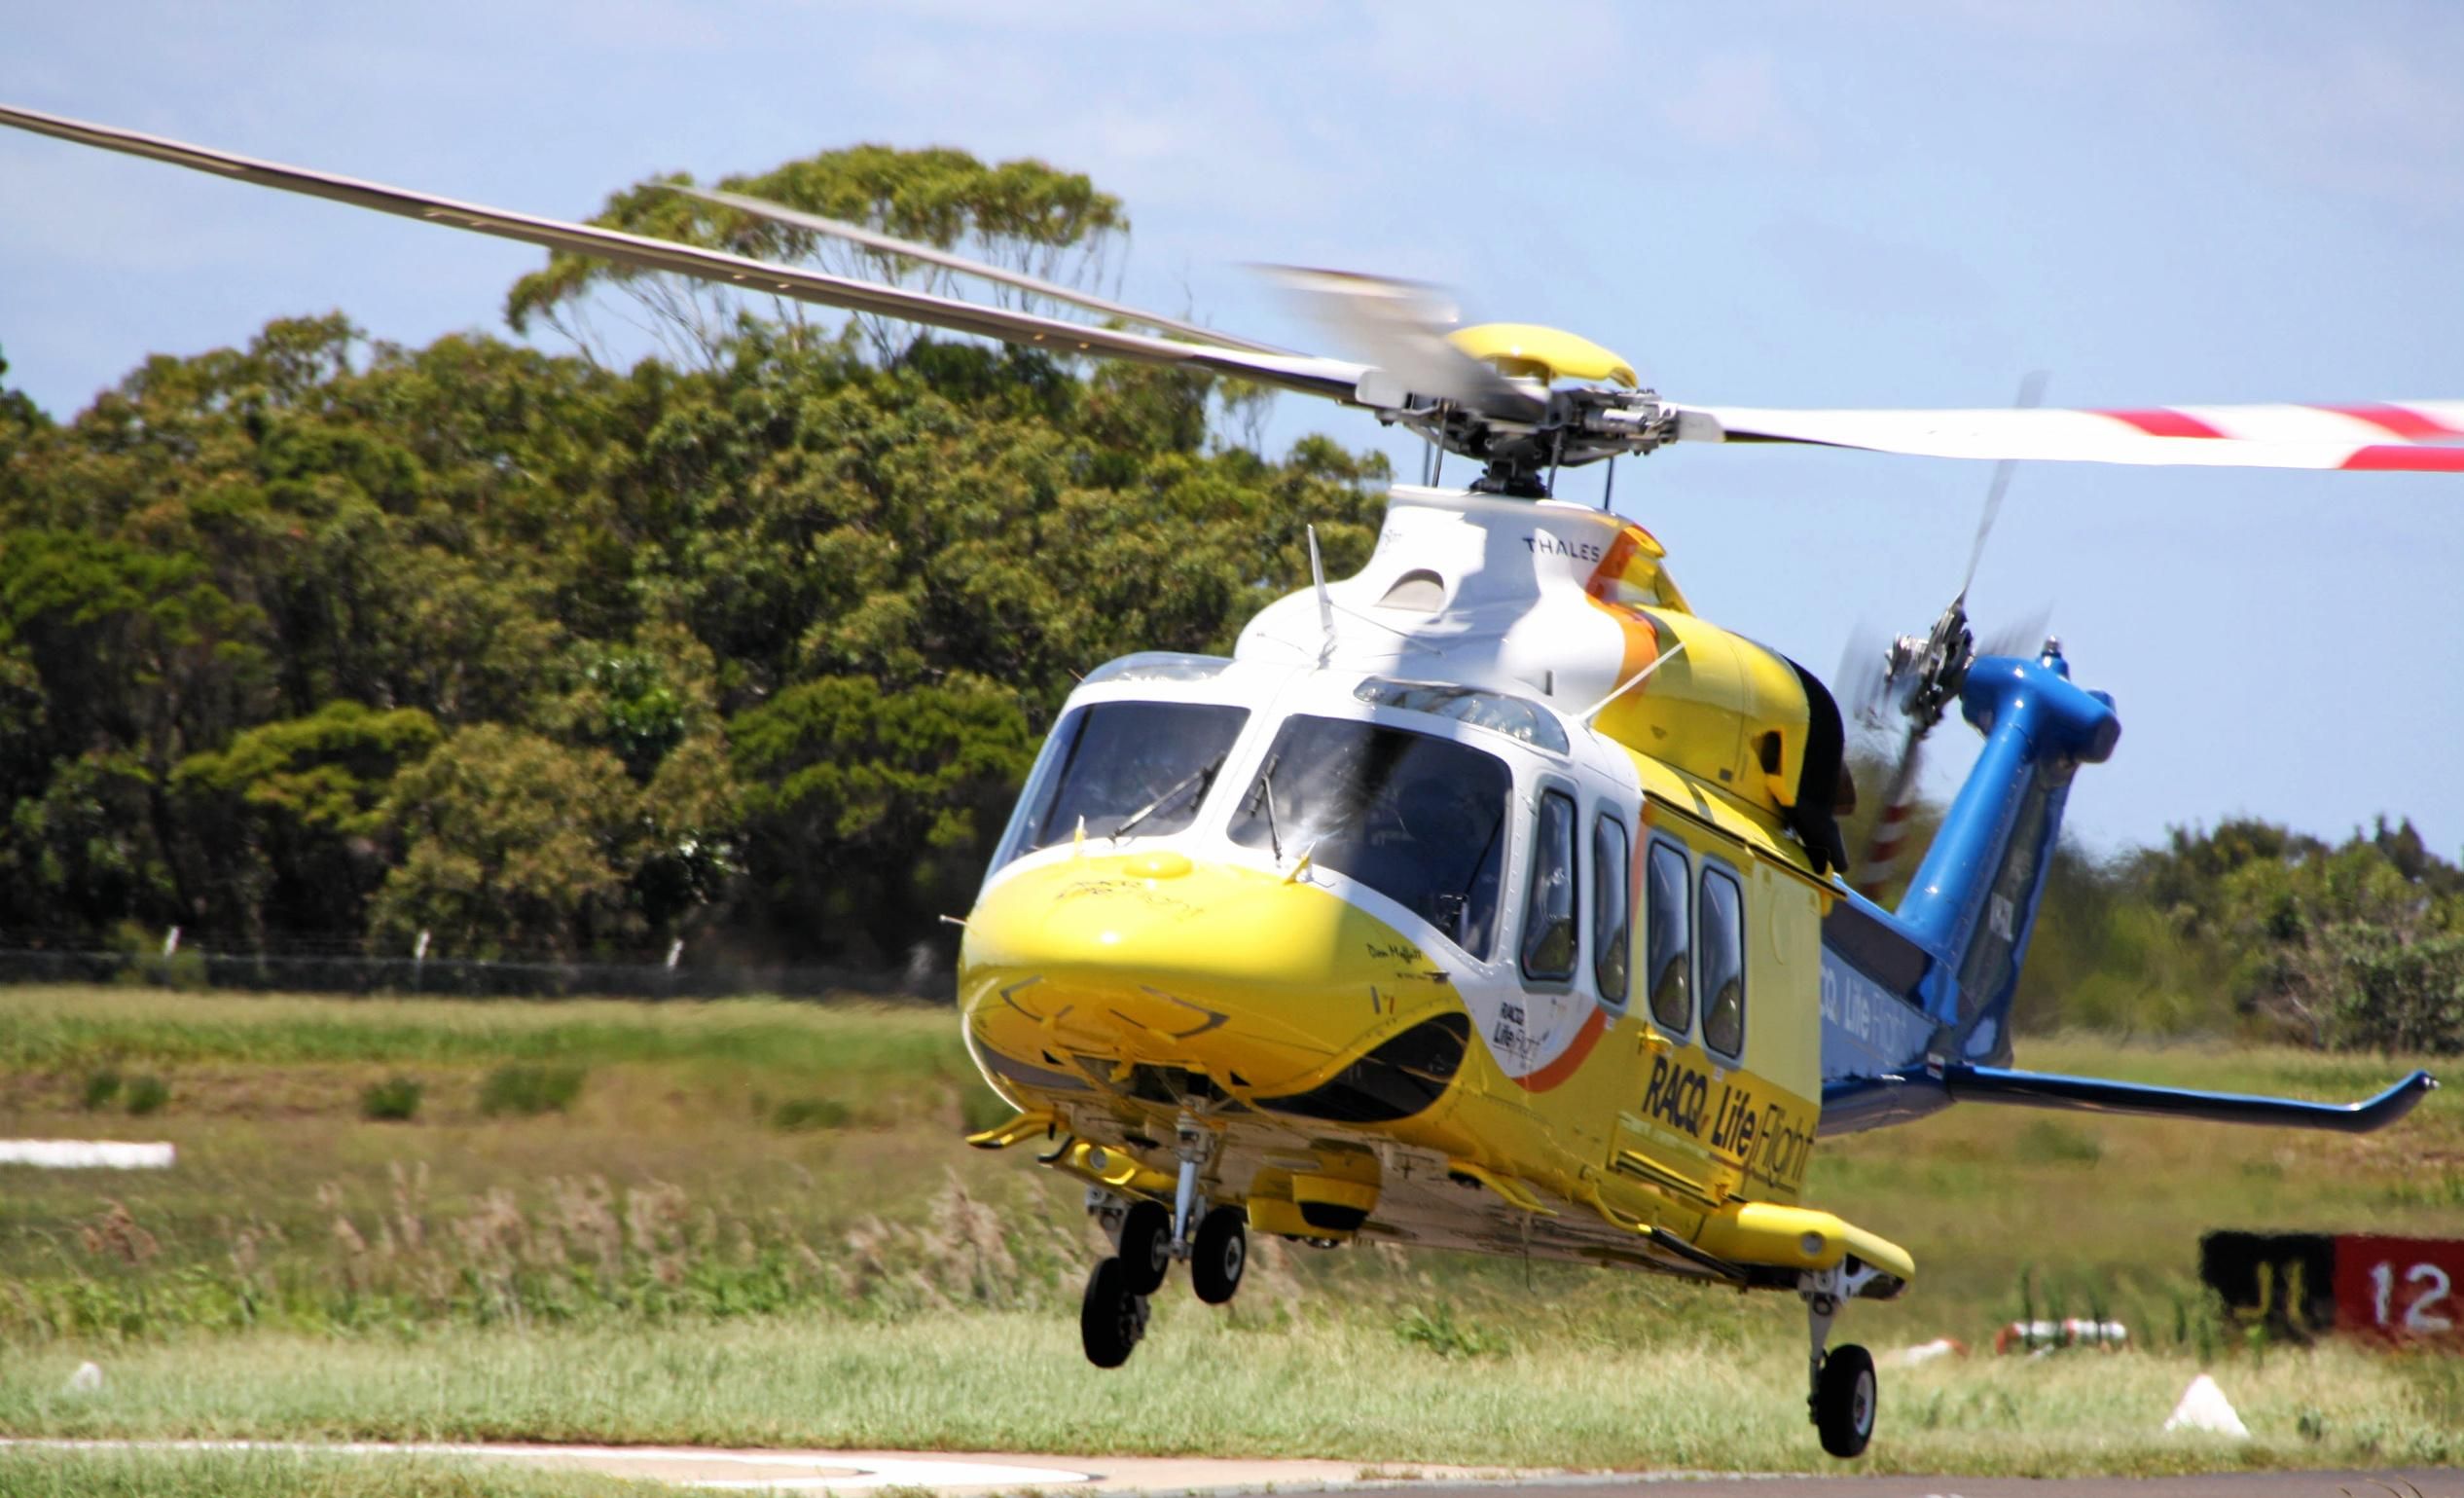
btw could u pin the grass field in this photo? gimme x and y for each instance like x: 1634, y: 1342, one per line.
x: 753, y: 1222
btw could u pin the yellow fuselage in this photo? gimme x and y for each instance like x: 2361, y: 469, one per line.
x: 1369, y: 1059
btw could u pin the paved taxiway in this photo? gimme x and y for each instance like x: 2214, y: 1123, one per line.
x: 964, y: 1473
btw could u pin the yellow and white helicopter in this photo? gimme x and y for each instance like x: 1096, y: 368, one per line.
x: 1490, y: 898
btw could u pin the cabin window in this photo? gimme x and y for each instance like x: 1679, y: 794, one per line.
x: 1723, y: 937
x: 1419, y: 818
x: 1611, y: 856
x: 1132, y: 769
x: 1669, y: 925
x: 1548, y: 915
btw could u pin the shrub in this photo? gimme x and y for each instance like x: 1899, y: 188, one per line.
x: 799, y: 1114
x: 1443, y: 1335
x: 395, y: 1100
x: 100, y: 1088
x: 530, y: 1091
x: 147, y: 1095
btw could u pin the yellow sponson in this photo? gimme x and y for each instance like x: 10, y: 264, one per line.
x: 1278, y: 1200
x: 1326, y: 1191
x: 1799, y: 1238
x: 1541, y: 353
x: 1271, y: 1207
x: 1116, y: 1169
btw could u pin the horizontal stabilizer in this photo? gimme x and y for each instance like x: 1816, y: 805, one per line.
x: 2099, y: 1095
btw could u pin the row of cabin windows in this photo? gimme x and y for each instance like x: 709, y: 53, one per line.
x: 1684, y: 938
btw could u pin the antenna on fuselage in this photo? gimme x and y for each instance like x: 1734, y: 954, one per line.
x: 1326, y: 600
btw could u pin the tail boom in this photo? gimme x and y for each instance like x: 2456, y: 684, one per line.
x: 1916, y: 1002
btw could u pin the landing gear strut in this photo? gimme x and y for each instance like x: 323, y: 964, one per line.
x: 1844, y: 1396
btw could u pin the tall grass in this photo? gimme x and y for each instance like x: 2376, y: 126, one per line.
x: 754, y: 1223
x: 567, y: 1251
x: 37, y: 1473
x: 1322, y: 1386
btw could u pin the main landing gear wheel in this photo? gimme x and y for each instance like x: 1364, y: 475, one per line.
x: 1844, y: 1394
x: 1220, y: 1253
x: 1145, y: 1247
x: 1844, y: 1401
x: 1112, y: 1318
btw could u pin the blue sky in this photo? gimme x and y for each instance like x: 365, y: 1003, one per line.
x: 1896, y: 203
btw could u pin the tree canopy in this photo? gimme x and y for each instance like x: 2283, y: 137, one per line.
x: 325, y: 639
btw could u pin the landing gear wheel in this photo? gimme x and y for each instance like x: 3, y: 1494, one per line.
x: 1220, y: 1253
x: 1110, y: 1319
x: 1844, y: 1399
x: 1145, y: 1247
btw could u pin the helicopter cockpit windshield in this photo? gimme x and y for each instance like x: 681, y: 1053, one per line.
x: 1419, y: 818
x: 1127, y: 768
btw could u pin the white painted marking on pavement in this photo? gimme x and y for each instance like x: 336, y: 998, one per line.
x: 85, y: 1154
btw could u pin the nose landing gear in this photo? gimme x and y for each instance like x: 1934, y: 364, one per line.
x: 1112, y: 1314
x: 1147, y: 1239
x: 1845, y: 1396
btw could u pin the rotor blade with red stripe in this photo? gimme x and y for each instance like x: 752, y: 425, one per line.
x: 2392, y: 436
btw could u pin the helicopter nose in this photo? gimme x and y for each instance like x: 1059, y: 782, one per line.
x: 1252, y: 977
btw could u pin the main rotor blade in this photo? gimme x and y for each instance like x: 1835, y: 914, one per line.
x: 2031, y: 396
x: 1401, y: 326
x: 1332, y: 379
x: 2394, y: 436
x: 875, y: 240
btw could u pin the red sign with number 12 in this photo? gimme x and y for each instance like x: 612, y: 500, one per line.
x: 2406, y: 1288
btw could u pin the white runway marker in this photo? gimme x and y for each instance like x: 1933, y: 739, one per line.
x: 85, y: 1154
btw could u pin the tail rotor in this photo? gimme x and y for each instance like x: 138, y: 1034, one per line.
x: 1915, y: 680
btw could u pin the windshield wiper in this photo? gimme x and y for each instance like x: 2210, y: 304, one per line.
x: 1201, y: 777
x: 1263, y: 794
x: 1274, y: 836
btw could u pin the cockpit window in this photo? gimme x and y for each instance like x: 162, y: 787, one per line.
x: 1419, y: 818
x: 1132, y: 769
x: 1159, y: 666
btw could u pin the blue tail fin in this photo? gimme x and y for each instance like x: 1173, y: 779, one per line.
x: 1916, y: 1003
x: 1932, y: 983
x: 1973, y: 901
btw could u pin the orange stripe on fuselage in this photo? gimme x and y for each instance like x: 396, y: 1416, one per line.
x: 1594, y: 1026
x: 1642, y: 637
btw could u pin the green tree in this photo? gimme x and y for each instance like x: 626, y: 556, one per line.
x: 286, y: 821
x: 315, y: 637
x: 512, y: 843
x: 867, y: 813
x: 1020, y: 214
